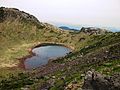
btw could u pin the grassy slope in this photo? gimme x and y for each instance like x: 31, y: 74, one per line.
x: 104, y: 57
x: 18, y: 37
x: 100, y: 52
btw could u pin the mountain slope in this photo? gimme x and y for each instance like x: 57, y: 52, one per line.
x: 19, y: 32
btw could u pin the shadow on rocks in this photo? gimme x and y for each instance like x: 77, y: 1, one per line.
x: 96, y: 81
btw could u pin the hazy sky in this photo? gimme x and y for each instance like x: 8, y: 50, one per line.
x: 91, y: 12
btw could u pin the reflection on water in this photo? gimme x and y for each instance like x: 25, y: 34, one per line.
x: 43, y: 54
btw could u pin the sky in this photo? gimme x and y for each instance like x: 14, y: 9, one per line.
x: 77, y: 12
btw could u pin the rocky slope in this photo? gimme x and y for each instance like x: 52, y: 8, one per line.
x: 93, y: 30
x: 13, y: 13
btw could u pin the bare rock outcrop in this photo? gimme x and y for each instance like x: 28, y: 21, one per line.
x: 93, y: 30
x: 96, y: 81
x: 13, y: 13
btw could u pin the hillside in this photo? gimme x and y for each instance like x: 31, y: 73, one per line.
x: 94, y: 48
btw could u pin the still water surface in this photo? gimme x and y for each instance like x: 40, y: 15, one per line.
x: 44, y: 53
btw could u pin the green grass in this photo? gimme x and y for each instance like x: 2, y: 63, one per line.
x: 110, y: 67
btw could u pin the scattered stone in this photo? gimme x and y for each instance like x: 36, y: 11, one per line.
x: 81, y: 39
x: 70, y: 86
x: 25, y: 89
x: 81, y: 55
x: 106, y: 51
x: 53, y: 77
x: 82, y: 75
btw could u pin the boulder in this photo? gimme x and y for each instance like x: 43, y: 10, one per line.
x: 96, y: 81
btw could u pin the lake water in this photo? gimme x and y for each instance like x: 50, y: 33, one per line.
x: 44, y: 54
